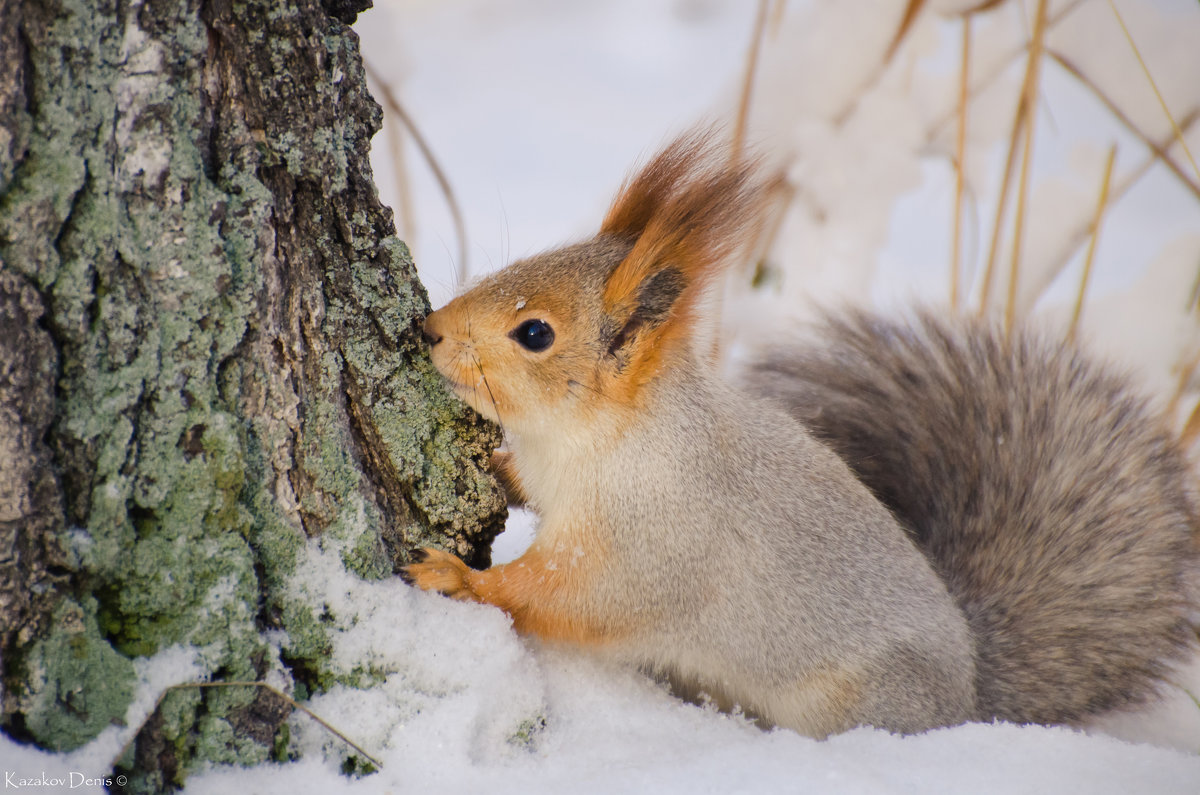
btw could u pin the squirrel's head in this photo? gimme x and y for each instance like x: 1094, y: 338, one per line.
x: 580, y: 333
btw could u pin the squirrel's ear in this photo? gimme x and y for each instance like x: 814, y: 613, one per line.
x: 686, y: 213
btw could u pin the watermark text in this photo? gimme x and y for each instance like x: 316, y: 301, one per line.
x: 62, y: 781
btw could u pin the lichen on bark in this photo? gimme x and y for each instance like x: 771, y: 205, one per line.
x: 218, y: 355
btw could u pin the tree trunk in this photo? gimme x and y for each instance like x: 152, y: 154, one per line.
x: 209, y: 355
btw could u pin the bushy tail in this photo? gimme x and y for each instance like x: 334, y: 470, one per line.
x: 1053, y: 503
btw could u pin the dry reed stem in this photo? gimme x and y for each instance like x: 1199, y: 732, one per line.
x: 843, y: 115
x: 1154, y: 85
x: 986, y: 5
x: 1159, y: 150
x: 1191, y: 428
x: 1029, y: 99
x: 1163, y: 104
x: 960, y: 148
x: 777, y: 16
x: 911, y: 11
x: 1185, y: 377
x: 1101, y: 206
x: 986, y: 79
x: 1014, y: 138
x: 408, y: 221
x: 1117, y: 192
x: 935, y: 129
x: 738, y: 143
x: 393, y: 105
x: 262, y: 686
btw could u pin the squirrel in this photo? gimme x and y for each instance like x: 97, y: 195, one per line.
x: 904, y: 525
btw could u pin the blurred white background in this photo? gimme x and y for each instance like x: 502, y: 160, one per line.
x: 537, y: 109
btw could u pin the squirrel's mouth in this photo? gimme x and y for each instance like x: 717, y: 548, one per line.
x: 457, y: 387
x: 478, y: 396
x: 466, y: 393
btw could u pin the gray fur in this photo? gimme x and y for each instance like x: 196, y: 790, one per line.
x: 1055, y: 506
x: 790, y: 570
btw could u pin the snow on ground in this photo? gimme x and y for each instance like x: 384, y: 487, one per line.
x: 469, y: 707
x: 537, y: 109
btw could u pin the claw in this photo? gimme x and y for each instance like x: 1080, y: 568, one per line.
x: 414, y: 556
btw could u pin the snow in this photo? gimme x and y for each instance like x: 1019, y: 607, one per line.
x: 467, y: 706
x: 537, y: 109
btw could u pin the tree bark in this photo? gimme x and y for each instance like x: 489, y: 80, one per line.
x: 209, y: 355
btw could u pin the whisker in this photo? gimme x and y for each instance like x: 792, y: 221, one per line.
x: 592, y: 389
x: 488, y: 387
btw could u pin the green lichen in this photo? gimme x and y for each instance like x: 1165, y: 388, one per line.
x: 355, y: 766
x: 166, y: 533
x: 423, y: 432
x: 308, y: 647
x: 217, y: 742
x: 146, y: 303
x: 356, y: 535
x: 527, y: 732
x: 178, y: 712
x: 77, y: 685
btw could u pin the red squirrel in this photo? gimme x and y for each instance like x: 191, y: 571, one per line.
x: 903, y: 525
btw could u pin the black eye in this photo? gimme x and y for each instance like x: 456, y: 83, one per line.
x: 533, y: 335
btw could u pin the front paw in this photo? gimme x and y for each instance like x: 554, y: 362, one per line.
x: 435, y: 570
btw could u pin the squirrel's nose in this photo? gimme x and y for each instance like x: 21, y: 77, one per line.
x: 429, y: 331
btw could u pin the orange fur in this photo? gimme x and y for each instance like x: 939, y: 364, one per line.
x: 535, y: 590
x: 689, y: 209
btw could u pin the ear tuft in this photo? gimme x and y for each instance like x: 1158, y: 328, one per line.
x: 685, y: 213
x: 643, y: 195
x: 689, y: 208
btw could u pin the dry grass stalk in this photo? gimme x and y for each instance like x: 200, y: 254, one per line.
x: 1170, y: 117
x: 911, y: 11
x: 408, y: 221
x: 777, y: 15
x: 1119, y: 189
x: 1154, y: 85
x: 960, y: 166
x: 1029, y: 99
x: 986, y: 79
x: 1101, y: 205
x: 737, y: 145
x: 1020, y: 117
x: 1158, y: 149
x: 394, y: 106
